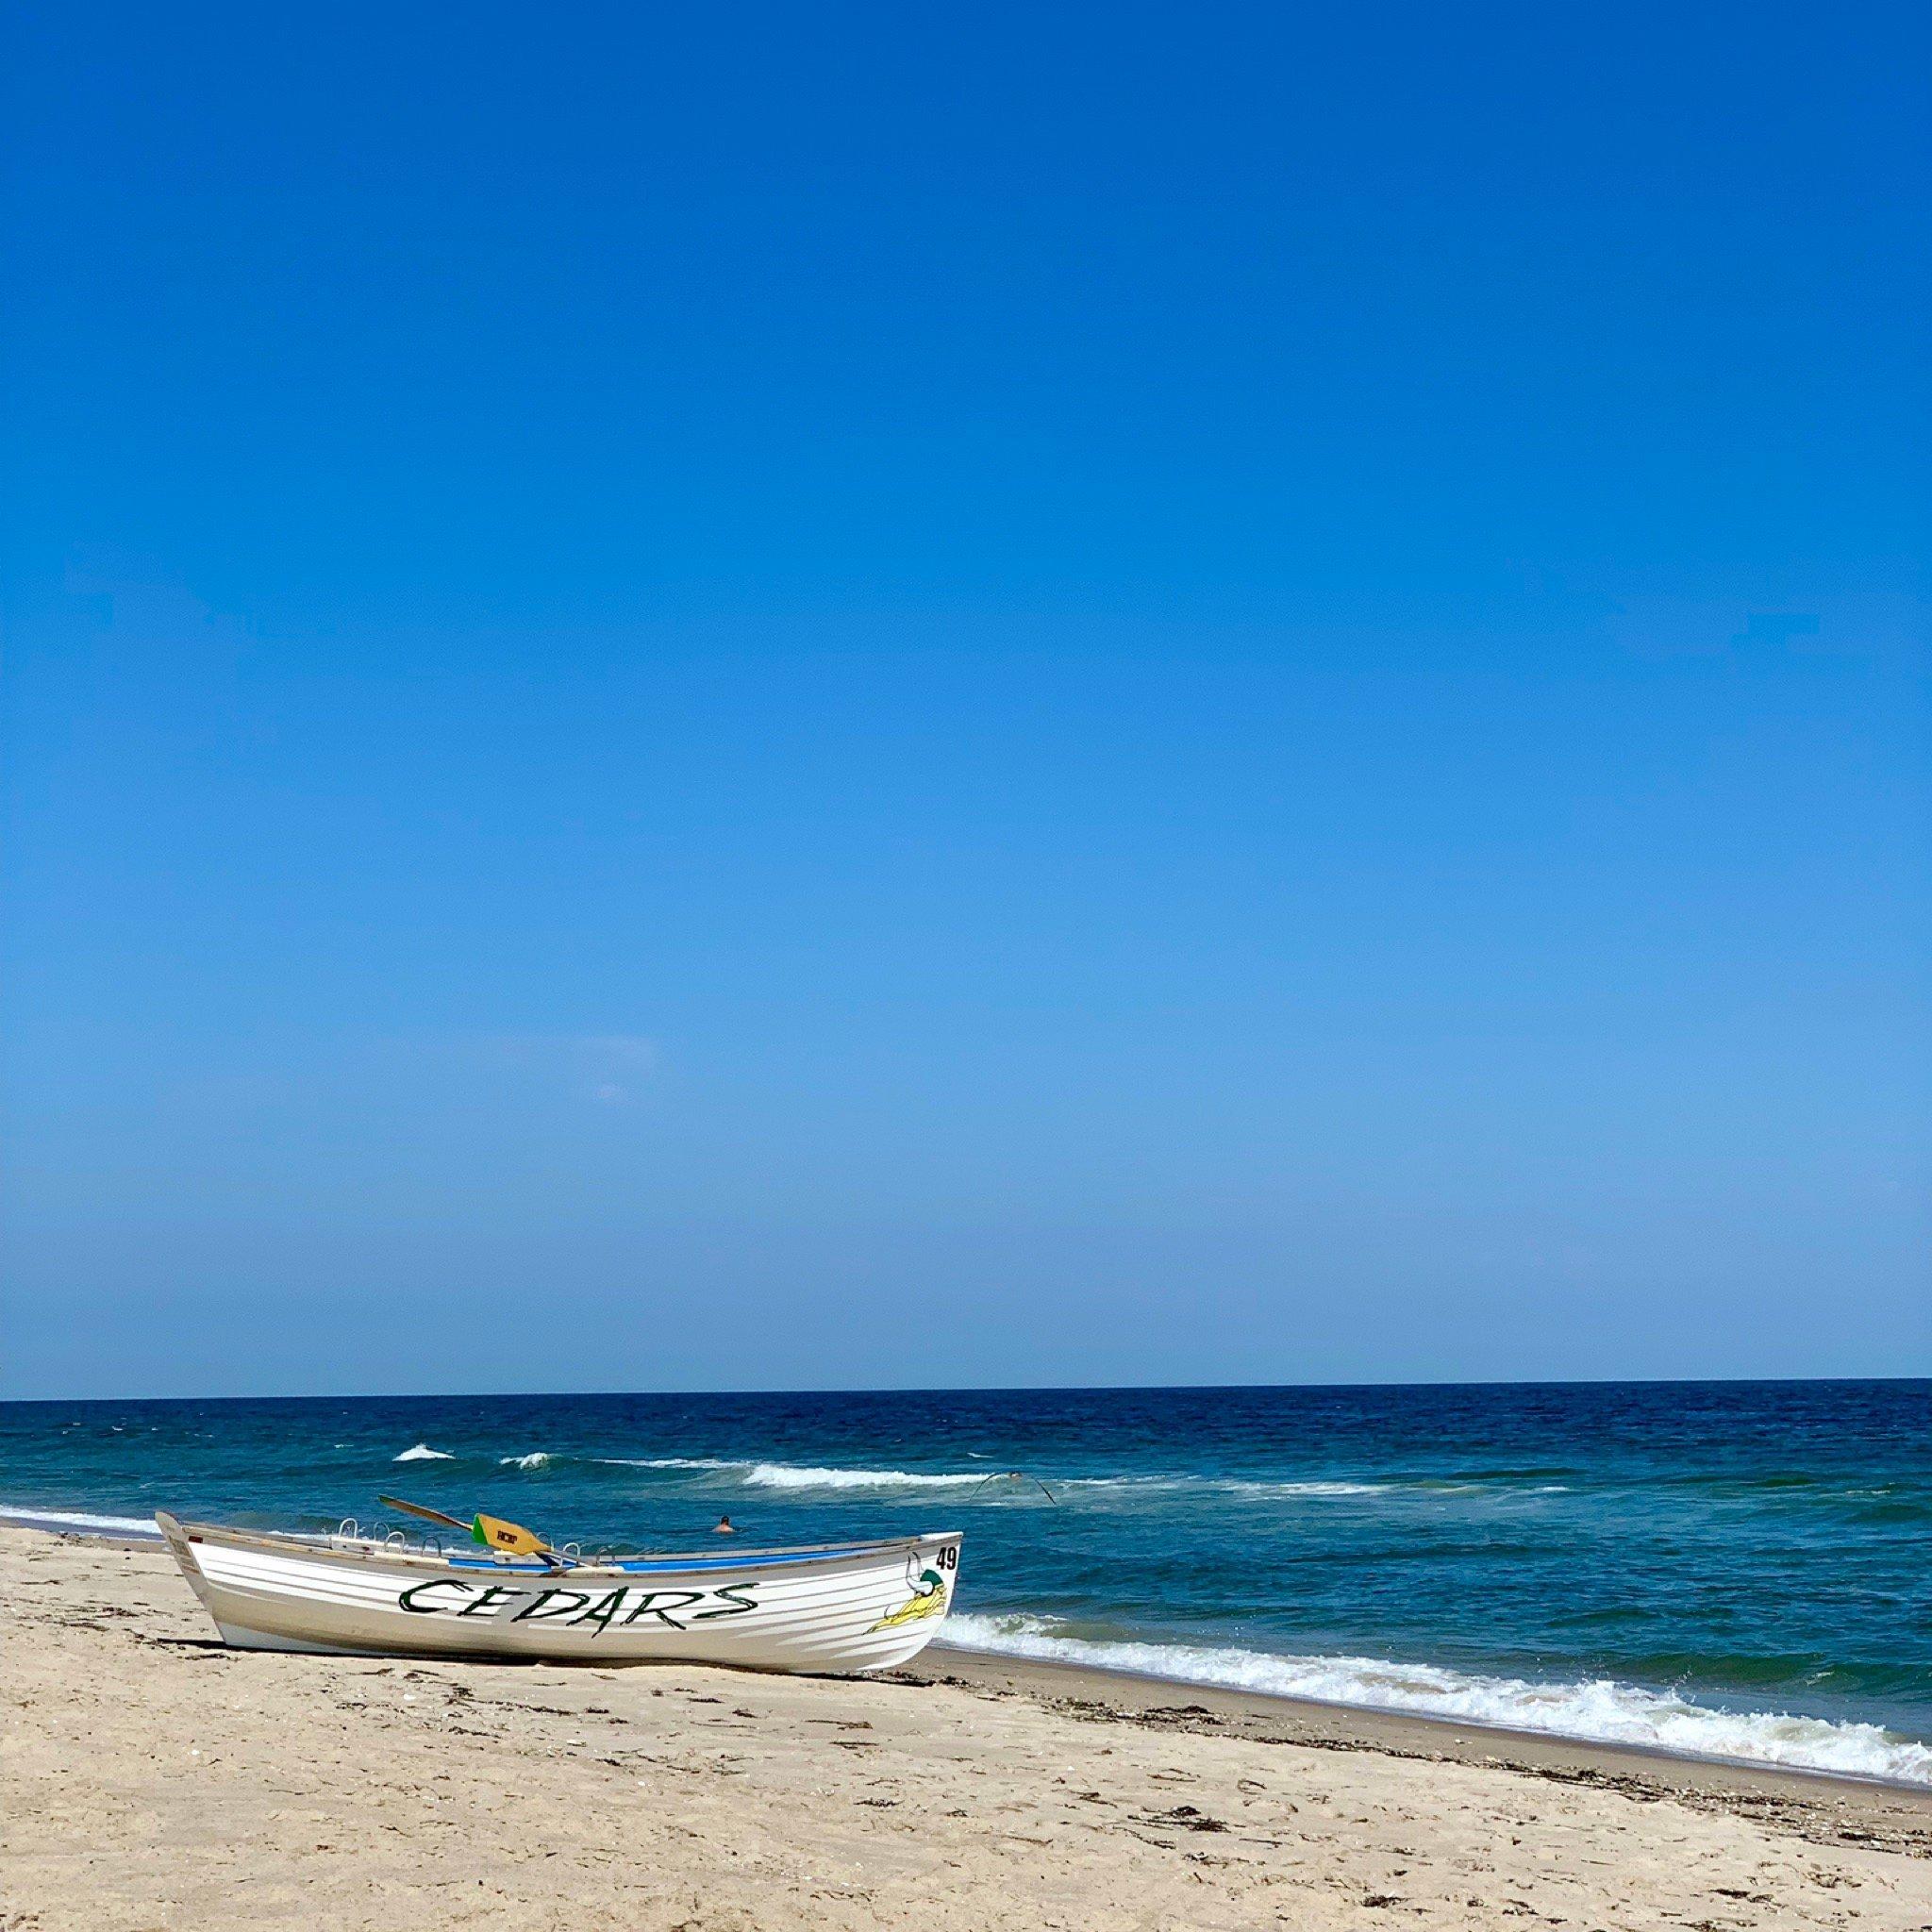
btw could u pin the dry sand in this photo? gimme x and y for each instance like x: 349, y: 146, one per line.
x: 151, y: 1778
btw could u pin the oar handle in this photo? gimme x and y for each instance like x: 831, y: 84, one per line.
x: 428, y: 1514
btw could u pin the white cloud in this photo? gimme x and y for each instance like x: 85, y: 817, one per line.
x: 606, y: 1068
x: 614, y: 1065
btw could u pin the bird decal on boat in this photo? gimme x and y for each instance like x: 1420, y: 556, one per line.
x: 928, y: 1599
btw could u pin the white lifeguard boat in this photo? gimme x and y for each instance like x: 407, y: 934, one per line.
x: 836, y: 1608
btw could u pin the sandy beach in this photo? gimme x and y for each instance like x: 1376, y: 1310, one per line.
x: 152, y: 1778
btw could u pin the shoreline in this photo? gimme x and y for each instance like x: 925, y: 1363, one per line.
x: 1277, y: 1717
x: 151, y: 1776
x: 1485, y: 1741
x: 1720, y: 1783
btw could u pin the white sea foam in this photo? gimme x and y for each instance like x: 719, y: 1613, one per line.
x: 1248, y: 1486
x: 534, y: 1459
x: 1601, y: 1711
x: 786, y: 1475
x: 669, y: 1462
x: 1242, y: 1487
x: 757, y: 1475
x: 794, y: 1475
x: 423, y: 1453
x: 80, y: 1518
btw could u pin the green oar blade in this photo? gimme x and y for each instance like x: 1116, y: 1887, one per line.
x: 512, y: 1538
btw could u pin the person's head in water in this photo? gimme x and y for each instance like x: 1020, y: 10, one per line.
x: 724, y: 1527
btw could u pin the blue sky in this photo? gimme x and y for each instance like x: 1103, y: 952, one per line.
x: 1075, y: 696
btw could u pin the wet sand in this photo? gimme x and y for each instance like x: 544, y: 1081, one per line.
x: 1815, y: 1803
x: 150, y: 1777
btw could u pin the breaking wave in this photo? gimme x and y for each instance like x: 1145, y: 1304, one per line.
x: 1598, y: 1711
x: 669, y: 1462
x: 786, y: 1475
x: 790, y: 1476
x: 756, y: 1475
x: 423, y: 1453
x: 536, y: 1459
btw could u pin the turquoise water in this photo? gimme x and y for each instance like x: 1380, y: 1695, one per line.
x: 1733, y: 1569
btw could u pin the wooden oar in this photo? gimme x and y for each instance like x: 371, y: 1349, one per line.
x: 492, y: 1532
x: 419, y: 1509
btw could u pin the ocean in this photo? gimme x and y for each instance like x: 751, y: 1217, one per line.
x: 1734, y: 1569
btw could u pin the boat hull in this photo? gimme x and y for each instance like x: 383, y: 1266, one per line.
x: 838, y: 1608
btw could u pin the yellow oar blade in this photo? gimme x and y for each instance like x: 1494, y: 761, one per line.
x: 492, y: 1532
x: 512, y: 1538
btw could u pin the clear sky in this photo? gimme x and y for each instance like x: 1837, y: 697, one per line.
x: 816, y: 696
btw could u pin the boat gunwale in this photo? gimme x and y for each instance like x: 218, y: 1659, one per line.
x: 366, y: 1549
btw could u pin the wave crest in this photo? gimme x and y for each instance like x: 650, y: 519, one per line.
x: 792, y: 1476
x: 423, y: 1453
x: 759, y: 1474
